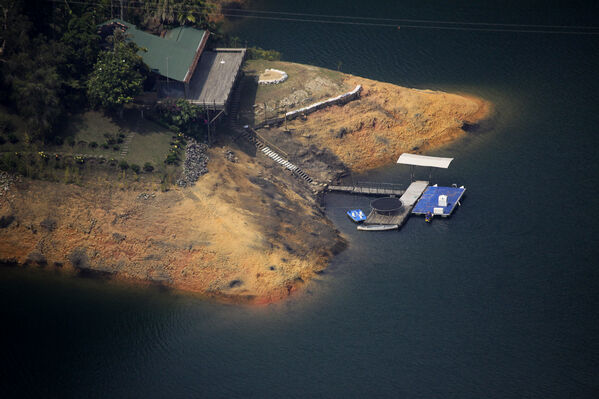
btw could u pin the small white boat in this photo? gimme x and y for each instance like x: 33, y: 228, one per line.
x: 377, y: 227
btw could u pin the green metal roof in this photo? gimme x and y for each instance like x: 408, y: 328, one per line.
x: 172, y: 55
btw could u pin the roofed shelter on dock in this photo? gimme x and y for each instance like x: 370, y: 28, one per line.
x: 423, y: 160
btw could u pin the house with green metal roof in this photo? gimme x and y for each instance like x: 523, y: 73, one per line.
x: 174, y: 55
x: 185, y: 67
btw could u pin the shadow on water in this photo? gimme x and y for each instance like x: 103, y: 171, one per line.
x: 499, y: 301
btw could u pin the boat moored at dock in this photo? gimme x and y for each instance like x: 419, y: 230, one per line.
x: 356, y: 215
x: 378, y: 227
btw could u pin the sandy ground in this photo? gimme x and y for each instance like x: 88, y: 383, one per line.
x: 247, y: 231
x: 270, y: 75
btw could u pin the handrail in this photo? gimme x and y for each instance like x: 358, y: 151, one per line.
x: 269, y: 143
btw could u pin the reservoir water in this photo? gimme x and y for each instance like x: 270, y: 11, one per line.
x: 499, y: 301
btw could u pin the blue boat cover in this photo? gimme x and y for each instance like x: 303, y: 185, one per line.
x: 356, y: 215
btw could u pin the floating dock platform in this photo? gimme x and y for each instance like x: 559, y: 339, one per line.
x: 429, y: 202
x: 408, y: 199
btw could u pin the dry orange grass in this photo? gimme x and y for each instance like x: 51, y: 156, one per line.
x: 388, y: 120
x: 242, y: 233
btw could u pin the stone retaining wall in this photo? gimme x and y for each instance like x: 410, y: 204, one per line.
x: 339, y: 100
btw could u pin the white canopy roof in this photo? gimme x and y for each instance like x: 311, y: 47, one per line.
x: 423, y: 160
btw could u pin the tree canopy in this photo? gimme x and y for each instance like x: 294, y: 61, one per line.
x: 117, y: 76
x: 51, y: 62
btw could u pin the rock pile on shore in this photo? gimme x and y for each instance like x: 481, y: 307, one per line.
x: 195, y: 165
x: 6, y: 180
x: 230, y: 156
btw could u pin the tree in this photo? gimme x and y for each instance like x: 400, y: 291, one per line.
x: 117, y: 76
x: 36, y: 85
x: 82, y: 44
x: 177, y: 12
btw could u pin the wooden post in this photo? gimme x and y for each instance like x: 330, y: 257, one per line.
x: 208, y: 125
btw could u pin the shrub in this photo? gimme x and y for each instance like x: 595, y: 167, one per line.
x: 48, y: 224
x: 135, y: 167
x: 148, y: 167
x: 124, y: 165
x: 119, y: 140
x: 257, y: 53
x: 105, y: 146
x: 6, y: 125
x: 13, y: 139
x: 182, y: 116
x: 6, y: 221
x: 93, y: 144
x: 116, y: 147
x: 111, y: 141
x: 122, y: 135
x: 9, y: 162
x: 172, y: 158
x: 79, y: 258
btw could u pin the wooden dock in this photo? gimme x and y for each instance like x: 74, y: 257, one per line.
x: 408, y: 200
x: 368, y: 190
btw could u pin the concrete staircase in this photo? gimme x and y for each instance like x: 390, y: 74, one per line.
x: 126, y: 142
x: 298, y: 172
x: 246, y: 133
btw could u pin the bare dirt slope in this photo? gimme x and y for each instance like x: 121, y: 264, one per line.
x: 373, y: 130
x: 243, y: 233
x: 388, y: 120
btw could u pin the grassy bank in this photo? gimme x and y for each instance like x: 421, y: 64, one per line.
x: 92, y: 145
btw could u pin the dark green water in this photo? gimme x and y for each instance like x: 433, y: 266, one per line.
x: 501, y: 300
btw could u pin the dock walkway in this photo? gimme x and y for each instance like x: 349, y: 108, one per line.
x: 368, y: 190
x: 408, y: 200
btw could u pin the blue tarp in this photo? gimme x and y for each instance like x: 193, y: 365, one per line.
x: 430, y: 200
x: 356, y: 215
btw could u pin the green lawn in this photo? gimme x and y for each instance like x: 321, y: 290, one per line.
x: 150, y: 142
x: 299, y: 76
x: 306, y: 84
